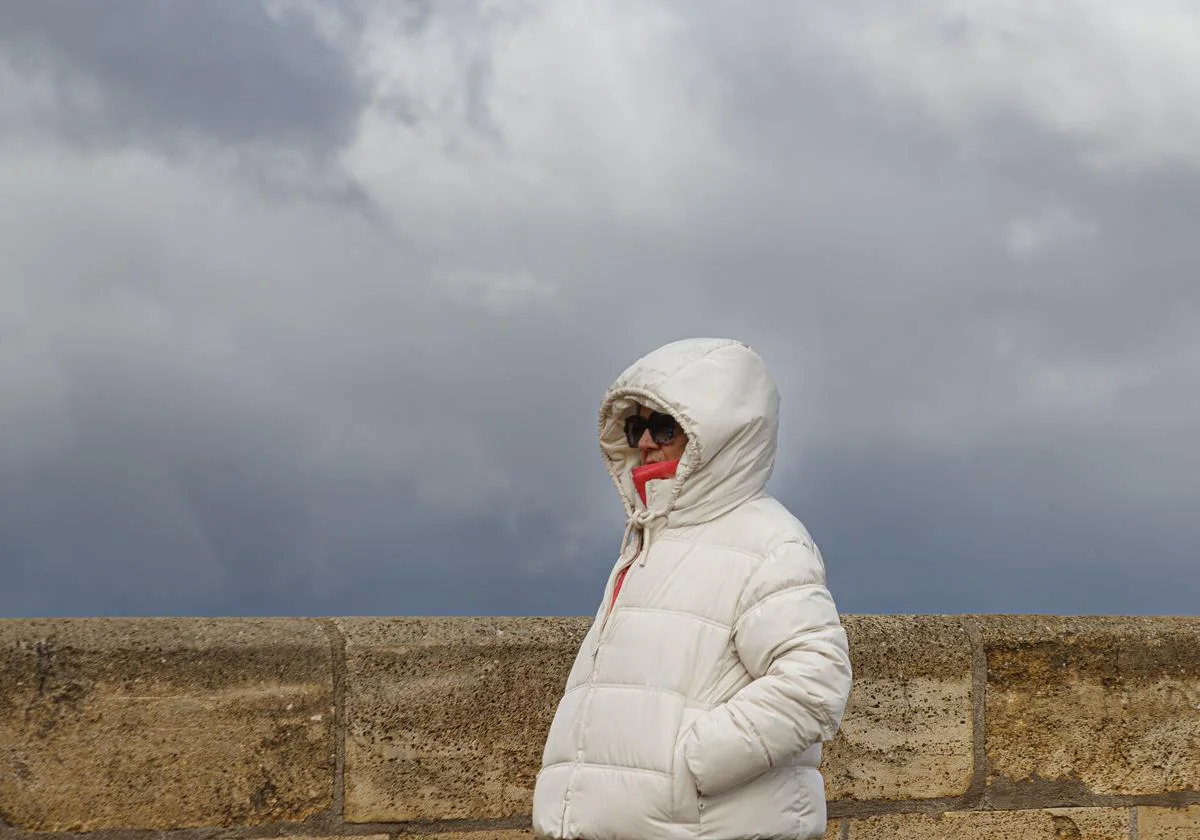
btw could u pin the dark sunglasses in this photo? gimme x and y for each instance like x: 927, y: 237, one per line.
x: 662, y: 428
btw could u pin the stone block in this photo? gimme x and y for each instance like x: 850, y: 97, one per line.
x: 907, y: 732
x: 1050, y: 824
x: 486, y: 834
x: 447, y: 718
x: 163, y: 723
x: 339, y: 837
x: 1168, y: 823
x: 1092, y: 705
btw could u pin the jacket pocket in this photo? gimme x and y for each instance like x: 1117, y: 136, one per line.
x: 686, y: 800
x: 777, y: 803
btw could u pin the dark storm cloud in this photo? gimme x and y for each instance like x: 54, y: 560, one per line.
x: 1011, y: 527
x: 172, y: 71
x: 221, y: 402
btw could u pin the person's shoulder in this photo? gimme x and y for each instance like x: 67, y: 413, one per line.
x: 759, y: 527
x: 773, y: 521
x: 790, y: 557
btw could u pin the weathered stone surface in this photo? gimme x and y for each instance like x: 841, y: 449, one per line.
x: 343, y: 837
x: 487, y: 834
x: 907, y: 732
x: 1050, y: 824
x: 833, y: 830
x: 1106, y: 705
x: 447, y: 718
x: 1168, y: 823
x: 155, y: 723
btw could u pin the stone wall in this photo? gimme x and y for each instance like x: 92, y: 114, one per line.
x: 959, y: 727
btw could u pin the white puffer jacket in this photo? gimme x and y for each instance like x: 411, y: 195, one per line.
x: 696, y: 708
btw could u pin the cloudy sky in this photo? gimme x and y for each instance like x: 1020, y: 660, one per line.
x: 308, y: 309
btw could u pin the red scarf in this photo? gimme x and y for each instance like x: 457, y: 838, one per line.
x: 642, y: 475
x: 651, y: 472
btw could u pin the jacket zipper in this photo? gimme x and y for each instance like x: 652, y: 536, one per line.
x: 625, y: 568
x: 609, y: 606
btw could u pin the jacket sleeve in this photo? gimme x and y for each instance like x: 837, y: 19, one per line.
x: 789, y: 637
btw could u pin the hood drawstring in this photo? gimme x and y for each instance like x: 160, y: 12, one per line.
x: 640, y: 519
x: 638, y: 522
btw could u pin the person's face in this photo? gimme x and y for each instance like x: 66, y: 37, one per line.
x: 653, y: 452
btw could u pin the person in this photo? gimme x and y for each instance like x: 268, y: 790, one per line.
x: 717, y: 664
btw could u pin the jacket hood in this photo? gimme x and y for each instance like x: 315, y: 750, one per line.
x: 720, y: 393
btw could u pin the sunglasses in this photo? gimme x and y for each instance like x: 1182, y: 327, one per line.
x: 662, y: 428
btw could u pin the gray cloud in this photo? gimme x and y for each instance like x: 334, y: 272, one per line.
x: 224, y: 400
x: 174, y: 73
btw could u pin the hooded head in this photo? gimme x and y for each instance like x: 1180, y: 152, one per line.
x: 720, y: 393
